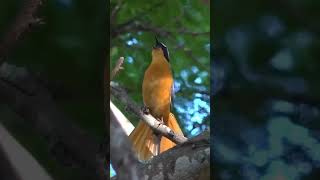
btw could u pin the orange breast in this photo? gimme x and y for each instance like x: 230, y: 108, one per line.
x: 156, y: 89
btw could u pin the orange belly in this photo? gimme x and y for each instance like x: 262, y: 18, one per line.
x: 156, y: 90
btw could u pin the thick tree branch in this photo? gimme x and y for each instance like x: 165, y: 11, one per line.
x: 190, y: 160
x: 22, y: 23
x: 126, y: 125
x: 122, y: 157
x: 67, y: 142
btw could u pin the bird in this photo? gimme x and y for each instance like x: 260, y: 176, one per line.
x: 157, y: 91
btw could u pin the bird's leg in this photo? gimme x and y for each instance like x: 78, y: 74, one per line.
x: 145, y: 110
x: 160, y: 120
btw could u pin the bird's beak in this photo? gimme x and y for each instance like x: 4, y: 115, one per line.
x: 158, y: 44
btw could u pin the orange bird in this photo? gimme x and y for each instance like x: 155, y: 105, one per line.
x: 156, y: 90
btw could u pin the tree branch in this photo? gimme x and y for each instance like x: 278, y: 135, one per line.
x: 119, y: 29
x: 117, y: 68
x: 67, y: 142
x: 136, y: 26
x: 22, y: 23
x: 162, y: 129
x: 114, y: 12
x: 152, y: 122
x: 123, y: 121
x: 190, y: 160
x: 122, y: 156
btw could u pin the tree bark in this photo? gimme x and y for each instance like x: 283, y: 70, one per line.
x: 190, y: 160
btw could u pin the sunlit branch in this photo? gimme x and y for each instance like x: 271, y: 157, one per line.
x: 122, y: 157
x: 117, y: 68
x: 123, y: 121
x: 162, y: 129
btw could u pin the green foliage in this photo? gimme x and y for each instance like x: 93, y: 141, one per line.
x: 173, y: 22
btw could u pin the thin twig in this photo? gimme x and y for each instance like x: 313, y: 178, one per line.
x: 115, y: 11
x: 136, y: 26
x: 119, y: 29
x: 163, y: 32
x: 117, y: 68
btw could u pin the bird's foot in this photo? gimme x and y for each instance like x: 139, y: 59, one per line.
x: 145, y: 110
x: 160, y: 120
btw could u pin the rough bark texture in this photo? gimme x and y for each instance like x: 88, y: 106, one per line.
x: 187, y: 161
x: 190, y: 160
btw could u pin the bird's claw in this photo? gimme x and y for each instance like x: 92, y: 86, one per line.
x: 145, y: 110
x: 160, y: 120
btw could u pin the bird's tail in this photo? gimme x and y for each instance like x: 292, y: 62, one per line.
x: 146, y: 144
x: 143, y: 141
x: 173, y: 125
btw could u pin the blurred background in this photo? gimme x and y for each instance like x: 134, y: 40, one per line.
x: 184, y: 27
x: 266, y: 89
x: 68, y: 50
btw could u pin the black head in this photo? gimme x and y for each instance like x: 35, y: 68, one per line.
x: 163, y: 47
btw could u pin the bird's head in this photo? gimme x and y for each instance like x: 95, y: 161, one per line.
x: 160, y: 50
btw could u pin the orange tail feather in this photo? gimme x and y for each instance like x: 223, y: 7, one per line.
x: 142, y: 141
x: 173, y: 125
